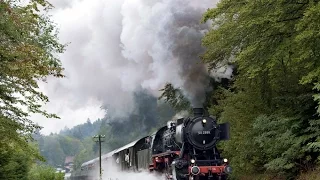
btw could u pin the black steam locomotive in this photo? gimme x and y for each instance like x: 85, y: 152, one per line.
x: 185, y: 149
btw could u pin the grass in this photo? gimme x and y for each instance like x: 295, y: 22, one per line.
x: 310, y: 175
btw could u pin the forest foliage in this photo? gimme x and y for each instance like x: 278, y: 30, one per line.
x: 44, y: 172
x: 272, y: 102
x: 28, y: 49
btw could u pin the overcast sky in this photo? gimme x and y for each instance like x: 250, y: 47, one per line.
x: 118, y: 47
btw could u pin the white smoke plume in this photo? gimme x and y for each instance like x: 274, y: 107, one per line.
x: 112, y: 172
x: 119, y: 47
x: 180, y: 114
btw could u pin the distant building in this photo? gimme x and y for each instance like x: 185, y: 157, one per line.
x: 68, y: 163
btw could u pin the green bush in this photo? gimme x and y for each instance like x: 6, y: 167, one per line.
x: 44, y: 172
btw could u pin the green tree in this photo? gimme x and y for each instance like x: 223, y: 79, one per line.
x: 165, y: 113
x: 28, y: 49
x: 44, y: 172
x: 174, y: 97
x: 271, y: 107
x: 83, y: 156
x: 52, y: 151
x: 16, y: 161
x: 69, y: 145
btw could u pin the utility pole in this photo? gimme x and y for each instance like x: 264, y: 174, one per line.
x: 99, y: 138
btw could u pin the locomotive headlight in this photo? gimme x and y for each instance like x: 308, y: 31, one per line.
x: 204, y: 121
x: 192, y: 161
x: 225, y: 160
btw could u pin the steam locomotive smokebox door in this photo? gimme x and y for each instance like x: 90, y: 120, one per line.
x: 224, y: 131
x: 202, y: 132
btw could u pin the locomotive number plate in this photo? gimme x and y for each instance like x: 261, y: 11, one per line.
x: 204, y: 132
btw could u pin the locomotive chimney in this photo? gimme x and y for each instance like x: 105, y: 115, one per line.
x: 198, y: 111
